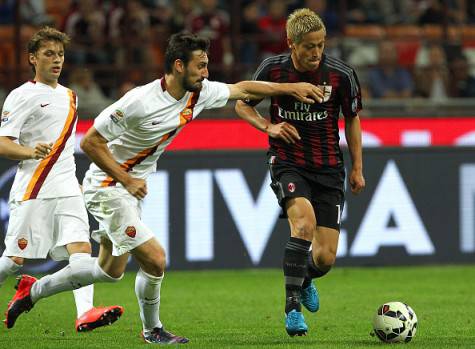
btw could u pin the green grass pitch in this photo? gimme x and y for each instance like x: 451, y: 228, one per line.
x: 244, y: 309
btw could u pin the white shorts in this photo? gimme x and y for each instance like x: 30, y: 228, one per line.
x: 41, y: 226
x: 118, y: 214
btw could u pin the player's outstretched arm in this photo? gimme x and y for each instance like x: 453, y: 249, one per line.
x: 283, y: 130
x: 303, y: 91
x: 11, y: 150
x: 95, y: 146
x: 353, y: 138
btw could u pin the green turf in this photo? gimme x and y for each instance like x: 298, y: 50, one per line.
x: 244, y: 309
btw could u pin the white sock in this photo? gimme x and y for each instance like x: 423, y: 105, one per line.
x: 81, y: 271
x: 83, y: 296
x: 7, y: 267
x: 147, y: 289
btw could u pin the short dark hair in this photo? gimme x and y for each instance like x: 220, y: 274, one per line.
x: 180, y: 46
x: 43, y: 35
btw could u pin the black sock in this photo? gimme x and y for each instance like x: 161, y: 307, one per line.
x: 313, y: 271
x: 295, y: 267
x: 306, y: 282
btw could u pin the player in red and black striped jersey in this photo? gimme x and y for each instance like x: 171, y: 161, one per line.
x: 306, y: 162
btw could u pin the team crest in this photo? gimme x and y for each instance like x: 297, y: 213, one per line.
x: 22, y: 243
x: 187, y: 114
x: 117, y: 116
x: 327, y: 92
x: 130, y: 231
x: 291, y: 187
x: 5, y: 116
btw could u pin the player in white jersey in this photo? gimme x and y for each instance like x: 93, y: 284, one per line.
x: 125, y: 143
x: 47, y: 212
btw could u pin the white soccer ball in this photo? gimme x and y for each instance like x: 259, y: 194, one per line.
x: 395, y: 322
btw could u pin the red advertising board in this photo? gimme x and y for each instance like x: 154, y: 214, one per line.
x: 377, y: 132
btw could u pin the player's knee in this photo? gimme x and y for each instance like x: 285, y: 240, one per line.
x: 156, y: 267
x: 304, y: 230
x: 154, y: 264
x: 18, y: 260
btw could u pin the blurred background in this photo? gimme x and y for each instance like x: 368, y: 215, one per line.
x: 413, y: 57
x: 209, y: 203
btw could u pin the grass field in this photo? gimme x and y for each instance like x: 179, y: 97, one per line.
x: 244, y: 309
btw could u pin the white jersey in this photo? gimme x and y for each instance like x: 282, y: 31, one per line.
x: 141, y: 124
x: 37, y: 113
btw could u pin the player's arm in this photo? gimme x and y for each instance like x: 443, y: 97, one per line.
x: 283, y: 130
x: 95, y: 146
x: 248, y: 90
x: 353, y: 138
x: 14, y: 151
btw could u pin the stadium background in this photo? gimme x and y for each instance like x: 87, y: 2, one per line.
x: 210, y: 203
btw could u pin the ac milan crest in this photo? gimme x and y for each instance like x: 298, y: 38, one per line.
x: 22, y: 243
x: 130, y: 231
x: 291, y: 187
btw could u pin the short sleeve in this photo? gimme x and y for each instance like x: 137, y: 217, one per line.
x: 120, y: 116
x: 15, y: 112
x: 216, y: 94
x: 350, y: 95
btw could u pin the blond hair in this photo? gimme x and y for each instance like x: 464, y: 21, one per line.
x: 301, y: 22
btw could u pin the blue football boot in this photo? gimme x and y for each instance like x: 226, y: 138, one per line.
x: 295, y: 324
x: 310, y: 299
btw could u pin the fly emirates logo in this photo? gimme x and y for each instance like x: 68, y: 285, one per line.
x: 302, y: 112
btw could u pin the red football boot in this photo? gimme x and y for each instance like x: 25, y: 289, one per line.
x: 97, y: 317
x: 21, y: 301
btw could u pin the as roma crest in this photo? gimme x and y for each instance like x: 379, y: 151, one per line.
x: 130, y: 231
x: 22, y: 243
x: 187, y: 114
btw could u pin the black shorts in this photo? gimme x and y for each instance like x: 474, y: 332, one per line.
x: 324, y: 190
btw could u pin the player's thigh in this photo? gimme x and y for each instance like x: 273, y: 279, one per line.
x: 301, y: 217
x: 30, y: 232
x: 328, y: 205
x: 118, y: 214
x: 71, y: 226
x: 325, y: 241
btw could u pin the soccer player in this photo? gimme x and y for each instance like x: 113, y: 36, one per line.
x: 305, y: 160
x: 47, y: 211
x: 124, y: 144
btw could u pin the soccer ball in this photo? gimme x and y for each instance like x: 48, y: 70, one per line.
x: 395, y: 322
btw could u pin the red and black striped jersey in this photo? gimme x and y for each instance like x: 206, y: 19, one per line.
x: 317, y: 124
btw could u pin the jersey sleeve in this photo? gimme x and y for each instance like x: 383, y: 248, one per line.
x: 15, y: 113
x: 119, y: 116
x: 261, y: 74
x: 350, y: 95
x: 216, y: 94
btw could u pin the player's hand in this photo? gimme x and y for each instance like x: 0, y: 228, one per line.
x: 357, y: 181
x: 41, y: 150
x: 137, y: 187
x: 284, y: 131
x: 307, y: 93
